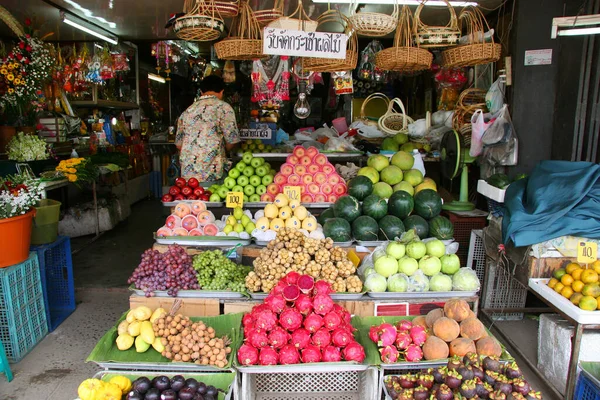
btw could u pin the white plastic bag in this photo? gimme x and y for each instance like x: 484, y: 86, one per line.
x: 500, y: 129
x: 480, y: 121
x: 494, y: 98
x: 418, y: 129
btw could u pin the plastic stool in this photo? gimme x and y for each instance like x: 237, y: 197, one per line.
x: 4, y: 367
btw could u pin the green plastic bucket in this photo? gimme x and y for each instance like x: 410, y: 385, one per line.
x: 45, y: 222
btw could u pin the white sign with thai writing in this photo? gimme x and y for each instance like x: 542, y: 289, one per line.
x: 538, y: 57
x: 285, y: 42
x: 255, y: 133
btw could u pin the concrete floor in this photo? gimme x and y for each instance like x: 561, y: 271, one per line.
x: 54, y: 368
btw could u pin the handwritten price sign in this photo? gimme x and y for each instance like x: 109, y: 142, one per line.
x: 587, y: 252
x: 234, y: 199
x: 292, y: 192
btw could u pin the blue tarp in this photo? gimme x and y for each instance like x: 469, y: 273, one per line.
x: 559, y: 198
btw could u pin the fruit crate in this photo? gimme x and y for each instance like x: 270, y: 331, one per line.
x: 404, y: 368
x: 314, y: 383
x: 56, y: 271
x: 502, y: 290
x: 588, y: 385
x: 476, y: 259
x: 22, y: 312
x: 463, y: 225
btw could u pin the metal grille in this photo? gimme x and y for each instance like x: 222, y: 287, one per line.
x: 503, y: 291
x: 308, y: 383
x: 476, y: 259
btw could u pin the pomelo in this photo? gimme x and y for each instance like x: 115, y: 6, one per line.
x: 401, y: 138
x: 404, y: 186
x: 370, y: 173
x: 378, y: 162
x: 391, y: 175
x: 382, y: 190
x: 403, y: 160
x: 414, y: 177
x: 389, y: 144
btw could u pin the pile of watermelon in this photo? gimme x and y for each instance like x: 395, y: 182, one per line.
x: 309, y: 169
x: 364, y: 216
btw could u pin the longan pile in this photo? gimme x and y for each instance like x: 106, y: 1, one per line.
x: 189, y: 341
x: 291, y: 250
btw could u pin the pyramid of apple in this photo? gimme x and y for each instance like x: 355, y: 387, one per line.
x: 309, y: 169
x: 189, y: 220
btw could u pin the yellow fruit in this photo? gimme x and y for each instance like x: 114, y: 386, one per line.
x: 157, y: 345
x: 576, y: 298
x: 285, y: 212
x: 566, y: 280
x: 122, y: 382
x: 589, y: 276
x: 271, y: 211
x: 130, y: 317
x: 559, y: 273
x: 596, y: 266
x: 301, y: 213
x: 310, y: 224
x: 124, y: 341
x: 109, y: 391
x: 425, y: 185
x: 293, y: 223
x: 122, y: 328
x: 142, y: 313
x: 592, y: 289
x: 281, y: 200
x: 558, y: 287
x: 598, y: 300
x: 572, y: 267
x: 276, y: 224
x: 552, y: 282
x: 157, y: 314
x: 294, y: 204
x: 577, y: 286
x: 88, y: 389
x: 588, y: 303
x: 567, y: 292
x: 231, y: 220
x: 146, y: 332
x: 263, y: 223
x: 134, y: 328
x: 141, y: 345
x: 576, y: 274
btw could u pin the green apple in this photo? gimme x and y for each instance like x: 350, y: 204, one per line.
x: 229, y: 182
x: 246, y: 199
x: 237, y: 213
x: 257, y: 162
x: 248, y: 171
x: 215, y: 198
x: 260, y: 190
x: 267, y: 179
x: 273, y: 172
x: 213, y: 188
x: 267, y: 166
x: 245, y: 219
x: 234, y: 173
x: 240, y: 166
x: 231, y: 220
x: 255, y: 180
x: 247, y: 157
x: 236, y: 188
x: 228, y: 228
x: 242, y: 180
x: 250, y: 227
x: 238, y: 228
x: 261, y: 171
x: 249, y: 190
x: 222, y: 192
x: 255, y: 198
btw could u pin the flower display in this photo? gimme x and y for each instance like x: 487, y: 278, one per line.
x: 78, y: 170
x: 24, y: 147
x: 18, y: 194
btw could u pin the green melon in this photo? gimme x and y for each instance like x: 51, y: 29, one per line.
x: 325, y: 215
x: 365, y: 228
x: 400, y: 204
x: 441, y: 228
x: 428, y: 203
x: 375, y: 207
x: 360, y: 187
x: 337, y: 229
x: 346, y: 207
x: 419, y: 224
x: 390, y: 227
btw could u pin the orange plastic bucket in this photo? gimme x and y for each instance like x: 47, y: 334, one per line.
x: 15, y: 237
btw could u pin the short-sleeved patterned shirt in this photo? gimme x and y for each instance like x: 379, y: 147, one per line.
x: 201, y: 132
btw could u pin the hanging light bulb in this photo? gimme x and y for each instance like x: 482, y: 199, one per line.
x: 302, y: 107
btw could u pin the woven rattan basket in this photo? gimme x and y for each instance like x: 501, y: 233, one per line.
x: 436, y: 36
x: 469, y: 101
x: 297, y: 21
x: 318, y: 64
x: 245, y: 40
x: 393, y: 122
x: 404, y: 56
x: 201, y: 23
x: 371, y: 23
x: 11, y: 22
x: 477, y: 51
x: 265, y: 17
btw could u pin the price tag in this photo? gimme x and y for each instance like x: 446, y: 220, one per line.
x: 292, y: 192
x: 234, y: 199
x: 587, y: 252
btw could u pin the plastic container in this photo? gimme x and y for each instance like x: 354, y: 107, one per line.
x: 22, y: 312
x: 419, y: 164
x: 16, y: 237
x: 588, y: 383
x: 45, y: 223
x: 340, y: 125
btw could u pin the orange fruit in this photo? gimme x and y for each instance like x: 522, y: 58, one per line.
x: 576, y: 298
x: 589, y: 276
x: 559, y: 273
x: 577, y: 286
x: 552, y: 282
x: 566, y: 280
x: 577, y: 274
x: 596, y: 266
x: 592, y: 289
x: 588, y: 303
x: 598, y: 300
x: 567, y: 292
x: 572, y: 267
x: 558, y: 287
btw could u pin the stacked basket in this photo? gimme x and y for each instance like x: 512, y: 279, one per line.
x: 245, y: 38
x: 265, y: 17
x: 436, y: 36
x: 203, y: 20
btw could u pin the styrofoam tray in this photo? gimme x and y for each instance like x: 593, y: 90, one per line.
x: 343, y: 244
x: 208, y: 203
x: 263, y: 243
x: 259, y: 295
x: 303, y: 368
x: 201, y: 241
x: 540, y: 286
x: 347, y: 296
x: 223, y: 294
x: 262, y: 204
x: 370, y: 243
x: 491, y: 192
x: 420, y: 295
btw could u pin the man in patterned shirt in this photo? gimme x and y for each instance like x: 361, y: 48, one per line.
x: 204, y: 131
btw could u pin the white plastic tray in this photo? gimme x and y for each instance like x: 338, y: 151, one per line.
x: 262, y: 204
x: 369, y: 243
x: 343, y: 244
x: 202, y: 241
x: 259, y: 295
x: 334, y: 296
x: 208, y: 203
x: 540, y: 286
x: 489, y: 191
x: 419, y: 295
x: 303, y: 368
x: 223, y: 294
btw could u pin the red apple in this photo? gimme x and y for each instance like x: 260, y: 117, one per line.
x: 179, y: 197
x: 199, y: 191
x: 193, y: 183
x: 174, y: 191
x: 204, y: 197
x: 180, y: 182
x: 186, y: 191
x: 208, y: 192
x: 167, y: 198
x: 192, y: 197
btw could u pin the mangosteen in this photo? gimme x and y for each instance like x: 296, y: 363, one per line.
x: 425, y: 380
x: 201, y: 388
x: 491, y: 363
x: 177, y: 383
x: 168, y: 394
x: 466, y: 372
x: 454, y: 363
x: 141, y: 385
x: 470, y: 359
x: 477, y: 373
x: 211, y: 391
x: 497, y: 395
x: 468, y: 388
x: 408, y: 381
x: 191, y: 383
x: 516, y: 396
x: 393, y: 393
x: 512, y: 371
x: 503, y: 386
x: 152, y: 394
x: 453, y: 379
x: 533, y: 395
x: 134, y: 395
x: 439, y: 374
x: 521, y: 386
x: 490, y: 377
x: 198, y: 396
x: 421, y: 393
x: 186, y: 393
x: 161, y: 383
x: 444, y: 393
x: 483, y: 390
x: 406, y: 394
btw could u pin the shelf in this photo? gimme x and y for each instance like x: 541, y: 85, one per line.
x: 116, y: 105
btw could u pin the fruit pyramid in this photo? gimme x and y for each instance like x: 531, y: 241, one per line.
x: 283, y: 212
x: 298, y: 322
x: 309, y: 169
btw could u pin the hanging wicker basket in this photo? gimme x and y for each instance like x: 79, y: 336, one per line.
x: 265, y: 17
x: 245, y: 40
x: 430, y: 37
x: 201, y: 23
x: 404, y: 56
x: 373, y: 24
x: 477, y: 51
x: 393, y: 122
x: 11, y: 22
x: 469, y: 101
x: 297, y: 21
x: 319, y: 64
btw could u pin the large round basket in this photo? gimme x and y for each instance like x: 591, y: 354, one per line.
x: 265, y: 17
x: 393, y: 122
x: 430, y: 37
x: 227, y: 9
x: 373, y: 24
x: 245, y: 38
x: 297, y: 21
x: 198, y: 28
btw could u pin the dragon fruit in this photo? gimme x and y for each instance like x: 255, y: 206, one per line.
x: 290, y: 319
x: 346, y: 316
x: 300, y: 338
x: 322, y: 303
x: 306, y: 283
x: 304, y: 304
x: 354, y: 352
x: 291, y: 293
x: 266, y: 320
x: 403, y: 340
x: 374, y: 334
x: 404, y: 325
x: 331, y: 354
x: 278, y: 337
x: 275, y: 302
x: 257, y: 309
x: 247, y: 355
x: 418, y: 335
x: 248, y: 321
x: 323, y: 287
x: 321, y: 338
x: 386, y: 335
x: 389, y: 354
x: 278, y: 289
x: 257, y: 338
x: 313, y: 322
x: 268, y: 356
x: 289, y: 355
x: 341, y: 337
x: 413, y: 353
x: 292, y: 278
x: 311, y: 354
x: 332, y: 320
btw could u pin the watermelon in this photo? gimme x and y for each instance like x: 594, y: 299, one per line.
x: 441, y: 228
x: 346, y: 207
x: 400, y: 204
x: 374, y: 206
x: 360, y: 187
x: 390, y: 227
x: 428, y: 203
x: 325, y: 215
x: 337, y: 229
x: 365, y: 228
x: 419, y: 224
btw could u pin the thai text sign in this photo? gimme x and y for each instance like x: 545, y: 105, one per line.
x: 304, y: 44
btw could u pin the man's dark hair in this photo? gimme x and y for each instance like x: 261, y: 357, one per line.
x: 212, y: 83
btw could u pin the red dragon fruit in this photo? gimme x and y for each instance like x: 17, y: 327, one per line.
x: 354, y: 352
x: 413, y: 353
x: 403, y: 340
x: 321, y: 338
x: 404, y: 325
x: 323, y: 287
x: 386, y: 335
x: 258, y: 338
x: 292, y: 278
x: 322, y: 304
x: 266, y: 320
x: 290, y: 319
x: 278, y: 289
x: 306, y: 283
x: 291, y: 292
x: 248, y: 322
x: 332, y: 320
x: 313, y: 322
x: 289, y: 355
x: 257, y: 309
x: 276, y: 302
x: 311, y: 354
x: 304, y: 304
x: 341, y: 337
x: 268, y: 356
x: 331, y: 354
x: 300, y: 338
x: 389, y: 354
x: 374, y: 334
x: 278, y: 337
x: 418, y: 335
x: 247, y: 355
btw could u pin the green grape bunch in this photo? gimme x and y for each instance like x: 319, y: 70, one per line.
x: 216, y: 272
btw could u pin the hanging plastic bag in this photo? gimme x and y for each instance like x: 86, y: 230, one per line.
x: 501, y: 146
x: 500, y: 128
x: 480, y: 121
x: 494, y: 98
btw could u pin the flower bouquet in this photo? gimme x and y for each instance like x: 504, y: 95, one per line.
x: 78, y: 170
x: 18, y: 194
x: 24, y: 148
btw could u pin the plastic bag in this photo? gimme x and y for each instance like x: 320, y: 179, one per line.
x: 494, y: 98
x: 434, y: 136
x: 500, y: 129
x: 501, y: 146
x: 339, y: 144
x: 442, y: 118
x: 397, y: 283
x: 480, y: 121
x: 465, y: 280
x: 418, y: 282
x: 418, y: 129
x: 366, y: 130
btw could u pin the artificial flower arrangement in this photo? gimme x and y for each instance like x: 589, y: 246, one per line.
x: 24, y: 147
x: 18, y: 194
x: 78, y: 170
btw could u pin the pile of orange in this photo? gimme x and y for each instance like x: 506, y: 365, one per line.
x: 579, y: 284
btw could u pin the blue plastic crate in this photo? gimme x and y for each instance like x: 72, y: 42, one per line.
x: 56, y: 269
x: 587, y: 387
x: 22, y: 312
